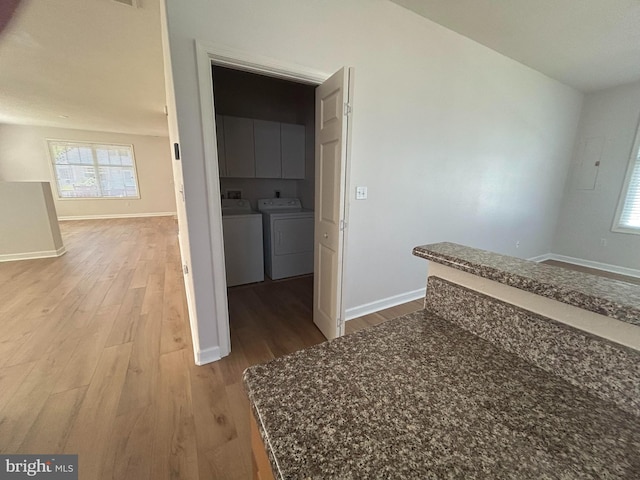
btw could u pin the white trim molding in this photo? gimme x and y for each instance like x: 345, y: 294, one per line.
x: 250, y: 62
x: 208, y: 54
x: 116, y: 215
x: 10, y: 257
x: 541, y: 258
x: 630, y: 272
x: 372, y: 307
x: 207, y: 355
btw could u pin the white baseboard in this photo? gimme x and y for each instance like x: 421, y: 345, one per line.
x: 388, y: 302
x: 119, y: 215
x: 541, y: 258
x: 10, y: 257
x: 207, y: 355
x: 630, y: 272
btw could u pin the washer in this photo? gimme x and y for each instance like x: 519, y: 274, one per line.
x: 288, y: 237
x: 243, y: 249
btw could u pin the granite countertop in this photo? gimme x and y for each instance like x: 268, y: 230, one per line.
x: 605, y: 296
x: 419, y: 397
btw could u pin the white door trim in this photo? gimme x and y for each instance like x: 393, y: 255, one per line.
x: 208, y: 54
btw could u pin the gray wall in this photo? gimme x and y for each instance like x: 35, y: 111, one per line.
x: 587, y: 216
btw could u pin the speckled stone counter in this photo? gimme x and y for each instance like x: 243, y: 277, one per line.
x: 420, y: 397
x: 605, y: 296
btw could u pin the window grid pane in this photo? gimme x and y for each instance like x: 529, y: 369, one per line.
x: 630, y: 216
x: 94, y: 171
x: 627, y: 219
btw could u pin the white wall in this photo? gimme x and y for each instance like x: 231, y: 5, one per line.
x: 24, y: 157
x: 587, y: 215
x: 253, y: 189
x: 28, y: 224
x: 455, y: 141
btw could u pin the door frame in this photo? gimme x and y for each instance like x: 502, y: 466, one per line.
x: 208, y: 54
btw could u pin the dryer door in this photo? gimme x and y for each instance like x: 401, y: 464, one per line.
x: 293, y: 235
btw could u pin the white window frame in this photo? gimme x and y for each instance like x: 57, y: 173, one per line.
x: 634, y: 164
x: 54, y: 175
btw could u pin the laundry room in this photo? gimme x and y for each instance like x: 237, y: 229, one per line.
x: 265, y: 130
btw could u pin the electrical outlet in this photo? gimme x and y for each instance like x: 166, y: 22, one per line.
x: 361, y: 193
x: 603, y: 242
x: 517, y: 243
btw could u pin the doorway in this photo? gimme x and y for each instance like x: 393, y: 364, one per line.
x: 265, y: 130
x: 331, y: 168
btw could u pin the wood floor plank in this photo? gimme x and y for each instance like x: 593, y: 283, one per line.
x: 101, y: 356
x: 48, y: 332
x: 174, y: 335
x: 21, y: 411
x: 241, y: 453
x: 84, y: 359
x: 9, y: 347
x: 140, y: 274
x: 214, y: 422
x: 118, y: 288
x: 128, y: 454
x: 124, y: 326
x: 140, y: 384
x: 233, y: 365
x: 223, y: 462
x: 174, y: 454
x: 94, y: 421
x: 51, y: 429
x: 10, y: 380
x: 154, y: 294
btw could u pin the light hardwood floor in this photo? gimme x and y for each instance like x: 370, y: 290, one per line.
x: 96, y: 356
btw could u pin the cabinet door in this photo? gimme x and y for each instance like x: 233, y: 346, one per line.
x: 292, y: 140
x: 222, y: 163
x: 266, y: 136
x: 238, y: 147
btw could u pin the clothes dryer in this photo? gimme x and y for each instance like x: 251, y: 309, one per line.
x: 288, y: 237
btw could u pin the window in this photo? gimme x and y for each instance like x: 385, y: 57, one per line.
x: 93, y: 170
x: 628, y: 214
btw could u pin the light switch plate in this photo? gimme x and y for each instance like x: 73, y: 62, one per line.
x: 361, y: 193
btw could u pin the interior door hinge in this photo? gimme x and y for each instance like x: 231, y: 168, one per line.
x: 340, y: 322
x: 347, y: 109
x: 343, y: 225
x: 185, y: 269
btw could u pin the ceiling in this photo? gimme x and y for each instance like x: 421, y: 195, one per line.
x: 97, y: 64
x: 88, y: 64
x: 587, y: 44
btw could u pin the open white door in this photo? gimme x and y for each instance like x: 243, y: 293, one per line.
x: 332, y: 130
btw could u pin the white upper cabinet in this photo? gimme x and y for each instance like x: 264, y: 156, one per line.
x: 292, y: 140
x: 222, y: 163
x: 238, y: 146
x: 266, y: 136
x: 250, y: 148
